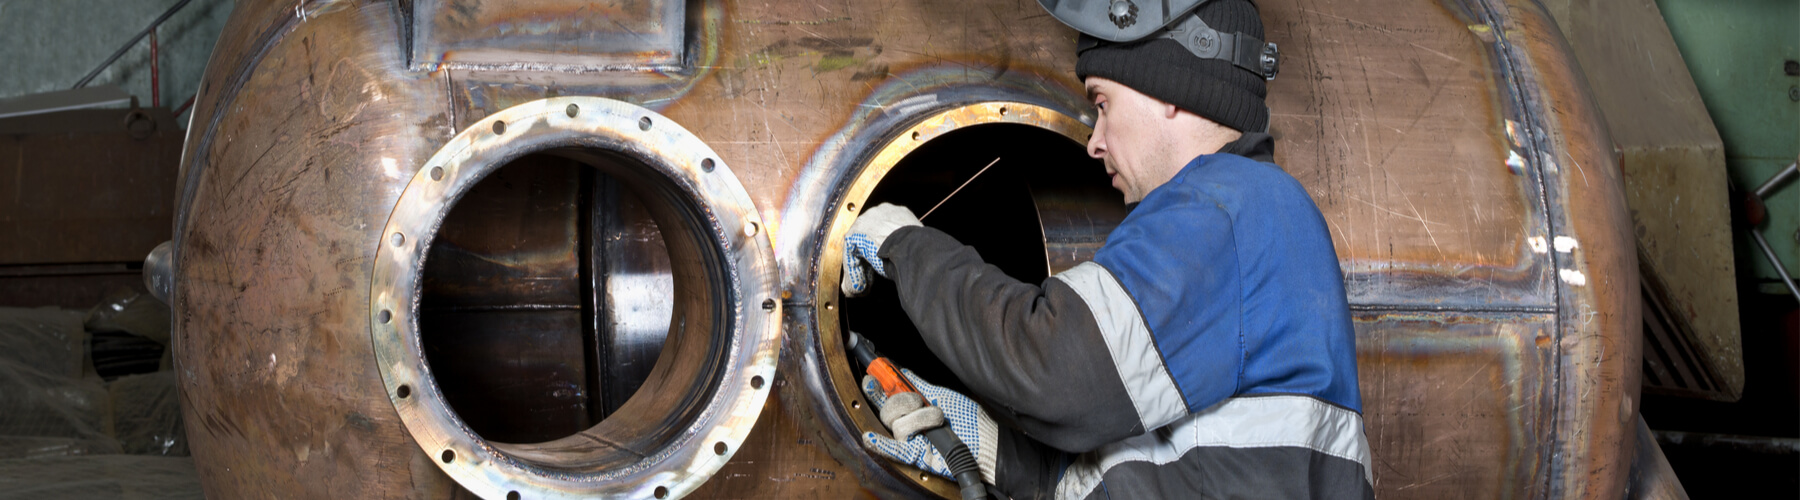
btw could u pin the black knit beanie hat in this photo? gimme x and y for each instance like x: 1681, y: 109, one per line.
x: 1164, y: 69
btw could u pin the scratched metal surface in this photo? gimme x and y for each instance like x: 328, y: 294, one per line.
x: 1451, y: 146
x: 1394, y: 124
x: 1437, y: 382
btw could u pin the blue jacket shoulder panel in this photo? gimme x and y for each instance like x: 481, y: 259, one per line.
x: 1176, y: 256
x: 1233, y: 269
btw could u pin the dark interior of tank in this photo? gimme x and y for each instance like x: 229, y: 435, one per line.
x: 545, y: 300
x: 1000, y: 213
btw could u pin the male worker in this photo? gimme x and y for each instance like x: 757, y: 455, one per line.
x: 1205, y: 352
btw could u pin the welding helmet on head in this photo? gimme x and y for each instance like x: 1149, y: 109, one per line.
x: 1204, y: 56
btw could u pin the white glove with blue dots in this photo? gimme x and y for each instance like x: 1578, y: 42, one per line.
x: 866, y: 236
x: 908, y: 416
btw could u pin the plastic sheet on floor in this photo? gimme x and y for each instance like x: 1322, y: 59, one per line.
x: 53, y: 406
x: 63, y: 430
x: 147, y: 415
x: 123, y: 477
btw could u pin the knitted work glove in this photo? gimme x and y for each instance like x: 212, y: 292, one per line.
x: 866, y: 236
x: 967, y: 420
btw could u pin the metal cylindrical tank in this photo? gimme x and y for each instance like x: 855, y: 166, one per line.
x: 532, y: 248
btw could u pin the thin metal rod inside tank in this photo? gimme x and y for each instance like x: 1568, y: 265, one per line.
x: 959, y: 188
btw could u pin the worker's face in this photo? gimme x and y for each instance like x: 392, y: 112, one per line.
x: 1130, y: 137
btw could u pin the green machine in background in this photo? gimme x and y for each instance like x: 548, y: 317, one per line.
x: 1745, y: 60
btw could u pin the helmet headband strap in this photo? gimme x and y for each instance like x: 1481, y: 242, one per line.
x: 1239, y: 49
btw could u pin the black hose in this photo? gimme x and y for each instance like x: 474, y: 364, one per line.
x: 862, y: 352
x: 960, y: 461
x: 956, y: 453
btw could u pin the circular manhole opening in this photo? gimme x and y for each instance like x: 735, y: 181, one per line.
x: 546, y: 297
x: 1043, y: 207
x: 576, y: 307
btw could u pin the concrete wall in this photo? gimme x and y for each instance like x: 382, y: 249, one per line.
x: 48, y: 45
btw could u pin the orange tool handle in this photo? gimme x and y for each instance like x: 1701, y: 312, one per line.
x: 889, y: 377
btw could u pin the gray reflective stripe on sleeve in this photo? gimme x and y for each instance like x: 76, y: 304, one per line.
x: 1241, y: 422
x: 1134, y: 353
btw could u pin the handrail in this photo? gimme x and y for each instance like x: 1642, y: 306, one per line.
x: 134, y: 40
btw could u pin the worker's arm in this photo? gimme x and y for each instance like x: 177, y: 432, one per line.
x: 1036, y: 354
x: 1027, y: 468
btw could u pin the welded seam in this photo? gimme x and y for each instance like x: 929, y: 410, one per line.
x: 610, y: 443
x: 456, y: 115
x: 1522, y: 309
x: 1513, y: 67
x: 578, y: 69
x: 403, y: 14
x: 592, y: 286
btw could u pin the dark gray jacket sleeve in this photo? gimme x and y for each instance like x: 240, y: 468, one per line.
x: 1027, y: 469
x: 1034, y: 354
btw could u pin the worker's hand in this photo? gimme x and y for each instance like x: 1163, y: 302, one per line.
x: 866, y: 236
x: 908, y: 417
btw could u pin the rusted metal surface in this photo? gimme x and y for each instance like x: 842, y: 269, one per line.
x: 86, y: 186
x: 81, y: 192
x: 783, y: 459
x: 1453, y: 149
x: 67, y: 287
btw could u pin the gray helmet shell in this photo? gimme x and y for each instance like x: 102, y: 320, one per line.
x: 1119, y: 21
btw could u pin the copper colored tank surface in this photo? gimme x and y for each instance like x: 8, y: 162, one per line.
x: 1452, y: 148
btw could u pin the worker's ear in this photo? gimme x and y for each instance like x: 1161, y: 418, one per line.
x: 1170, y: 110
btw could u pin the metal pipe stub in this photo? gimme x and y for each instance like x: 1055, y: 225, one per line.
x: 715, y: 372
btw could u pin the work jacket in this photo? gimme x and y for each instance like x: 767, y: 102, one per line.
x: 1205, y: 352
